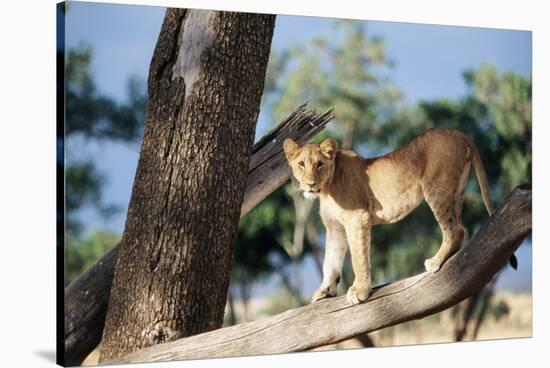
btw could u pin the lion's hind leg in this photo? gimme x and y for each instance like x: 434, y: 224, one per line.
x: 447, y: 209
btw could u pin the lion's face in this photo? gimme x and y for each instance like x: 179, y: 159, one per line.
x: 312, y: 164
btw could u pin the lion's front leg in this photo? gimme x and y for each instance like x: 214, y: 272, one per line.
x: 335, y: 251
x: 358, y: 235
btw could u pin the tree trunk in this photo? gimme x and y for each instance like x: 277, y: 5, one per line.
x: 205, y: 84
x: 464, y: 315
x: 365, y: 340
x: 349, y: 135
x: 474, y: 310
x: 87, y: 297
x: 231, y: 308
x: 244, y: 288
x: 489, y: 293
x: 291, y: 288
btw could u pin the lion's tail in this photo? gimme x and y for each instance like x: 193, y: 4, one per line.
x: 481, y: 178
x: 484, y: 188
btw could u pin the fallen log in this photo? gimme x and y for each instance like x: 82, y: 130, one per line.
x: 87, y: 297
x: 333, y: 320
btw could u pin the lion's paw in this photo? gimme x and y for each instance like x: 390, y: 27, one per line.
x: 322, y: 293
x: 357, y: 294
x: 432, y: 265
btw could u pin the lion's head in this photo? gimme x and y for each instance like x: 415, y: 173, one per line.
x: 311, y: 164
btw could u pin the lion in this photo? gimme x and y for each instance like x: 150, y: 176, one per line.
x: 356, y: 193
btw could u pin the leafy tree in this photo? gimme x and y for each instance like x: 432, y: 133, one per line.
x: 507, y: 98
x: 85, y: 250
x: 259, y: 249
x: 90, y: 115
x: 348, y: 73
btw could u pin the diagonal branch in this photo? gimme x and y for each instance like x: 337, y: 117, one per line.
x: 332, y: 320
x: 87, y: 298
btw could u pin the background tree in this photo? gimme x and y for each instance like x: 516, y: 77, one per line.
x: 174, y: 262
x: 259, y: 249
x: 92, y: 117
x: 84, y: 250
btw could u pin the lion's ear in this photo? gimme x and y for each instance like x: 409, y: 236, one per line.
x: 290, y: 147
x: 329, y: 147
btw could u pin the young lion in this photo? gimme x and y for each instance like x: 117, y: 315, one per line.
x: 356, y: 193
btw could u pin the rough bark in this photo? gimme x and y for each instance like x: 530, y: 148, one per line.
x: 86, y: 299
x: 205, y: 85
x: 333, y: 320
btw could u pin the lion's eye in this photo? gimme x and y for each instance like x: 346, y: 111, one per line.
x: 319, y: 164
x: 301, y: 164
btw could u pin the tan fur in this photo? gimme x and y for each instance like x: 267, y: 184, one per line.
x: 356, y: 193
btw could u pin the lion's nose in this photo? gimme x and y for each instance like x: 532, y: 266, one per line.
x: 310, y: 183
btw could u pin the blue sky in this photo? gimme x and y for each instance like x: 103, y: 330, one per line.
x: 429, y: 61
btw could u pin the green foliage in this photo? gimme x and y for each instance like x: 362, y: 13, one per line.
x: 346, y: 74
x: 92, y: 115
x: 82, y: 252
x: 95, y: 115
x: 407, y: 259
x: 498, y: 309
x: 83, y: 186
x: 508, y: 102
x: 508, y: 97
x: 259, y: 249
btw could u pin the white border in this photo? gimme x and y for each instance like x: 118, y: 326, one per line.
x: 27, y: 201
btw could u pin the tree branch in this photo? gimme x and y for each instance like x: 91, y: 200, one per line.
x: 333, y: 320
x: 87, y: 297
